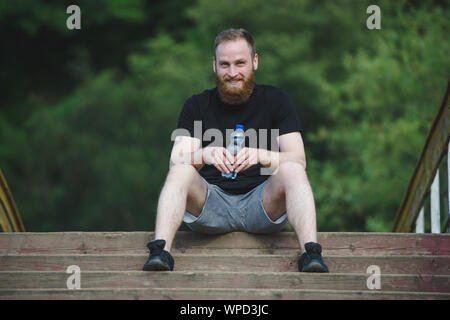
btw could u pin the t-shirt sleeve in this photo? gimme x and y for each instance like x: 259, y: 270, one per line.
x: 286, y: 117
x: 187, y: 117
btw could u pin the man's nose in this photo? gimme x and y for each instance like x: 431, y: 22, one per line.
x: 232, y: 71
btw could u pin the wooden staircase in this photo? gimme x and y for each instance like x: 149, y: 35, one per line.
x: 233, y: 266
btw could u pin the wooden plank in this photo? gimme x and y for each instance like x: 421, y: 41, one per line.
x: 333, y: 243
x: 211, y: 294
x: 184, y: 279
x: 432, y: 153
x: 227, y: 263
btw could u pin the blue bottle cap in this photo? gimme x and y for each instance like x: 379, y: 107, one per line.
x: 239, y: 126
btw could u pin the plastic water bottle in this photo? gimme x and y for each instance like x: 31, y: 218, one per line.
x: 236, y: 144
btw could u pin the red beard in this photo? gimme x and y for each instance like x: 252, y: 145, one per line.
x: 235, y: 95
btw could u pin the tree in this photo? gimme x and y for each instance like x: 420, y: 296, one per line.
x: 91, y: 152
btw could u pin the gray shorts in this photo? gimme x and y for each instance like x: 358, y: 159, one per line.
x: 224, y: 212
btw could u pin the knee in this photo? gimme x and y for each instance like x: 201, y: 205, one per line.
x: 292, y: 172
x: 181, y: 174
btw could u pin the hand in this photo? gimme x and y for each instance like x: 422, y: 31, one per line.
x: 246, y: 158
x: 219, y: 157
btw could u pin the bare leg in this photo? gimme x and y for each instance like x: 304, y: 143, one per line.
x: 183, y: 189
x: 289, y: 190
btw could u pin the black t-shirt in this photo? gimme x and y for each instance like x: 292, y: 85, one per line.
x: 267, y: 110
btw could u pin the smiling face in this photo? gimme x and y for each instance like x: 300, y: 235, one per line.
x: 234, y: 67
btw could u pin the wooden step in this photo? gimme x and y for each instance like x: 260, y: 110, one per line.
x: 237, y: 263
x: 234, y: 266
x: 255, y: 280
x: 333, y: 243
x: 212, y: 294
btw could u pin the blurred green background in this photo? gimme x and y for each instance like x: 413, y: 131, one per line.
x: 86, y: 115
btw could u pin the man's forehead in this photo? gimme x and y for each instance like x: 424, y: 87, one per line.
x: 233, y: 50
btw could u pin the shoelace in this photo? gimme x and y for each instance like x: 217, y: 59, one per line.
x: 314, y: 250
x: 156, y: 247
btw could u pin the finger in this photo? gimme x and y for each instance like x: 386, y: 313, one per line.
x: 251, y: 161
x: 221, y: 165
x: 226, y: 162
x: 228, y: 155
x: 242, y: 166
x: 239, y: 165
x: 229, y: 160
x: 241, y: 157
x: 245, y: 167
x: 243, y: 153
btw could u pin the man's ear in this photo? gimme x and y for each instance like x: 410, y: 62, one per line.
x: 255, y: 61
x: 214, y: 65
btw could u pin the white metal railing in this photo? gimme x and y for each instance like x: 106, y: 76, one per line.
x: 418, y: 191
x: 435, y: 212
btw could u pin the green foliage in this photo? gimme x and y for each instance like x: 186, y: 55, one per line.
x: 85, y: 142
x: 384, y: 111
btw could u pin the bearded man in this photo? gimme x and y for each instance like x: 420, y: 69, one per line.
x: 256, y: 202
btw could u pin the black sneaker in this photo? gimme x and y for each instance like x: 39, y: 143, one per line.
x: 311, y: 260
x: 159, y: 259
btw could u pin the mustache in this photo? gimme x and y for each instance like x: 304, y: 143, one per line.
x: 233, y: 95
x: 235, y: 78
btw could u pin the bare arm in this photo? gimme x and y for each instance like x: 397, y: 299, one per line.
x: 187, y: 150
x: 291, y: 149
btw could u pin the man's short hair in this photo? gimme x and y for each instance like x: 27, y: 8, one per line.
x: 235, y: 34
